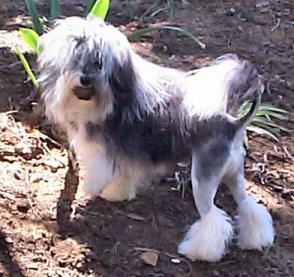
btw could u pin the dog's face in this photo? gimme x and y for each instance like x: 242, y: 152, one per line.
x: 84, y: 63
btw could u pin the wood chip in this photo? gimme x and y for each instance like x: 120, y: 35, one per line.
x: 150, y: 257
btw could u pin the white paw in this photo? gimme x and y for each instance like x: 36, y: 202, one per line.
x: 93, y: 187
x: 119, y: 191
x: 207, y: 238
x: 255, y: 225
x: 99, y: 174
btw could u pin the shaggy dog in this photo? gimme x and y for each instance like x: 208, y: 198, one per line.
x: 130, y: 120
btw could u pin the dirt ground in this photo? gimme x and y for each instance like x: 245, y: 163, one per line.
x: 108, y: 239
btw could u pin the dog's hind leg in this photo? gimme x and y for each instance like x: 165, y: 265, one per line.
x: 208, y: 237
x: 122, y: 189
x: 255, y: 227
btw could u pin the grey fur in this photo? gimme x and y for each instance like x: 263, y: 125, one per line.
x: 137, y: 116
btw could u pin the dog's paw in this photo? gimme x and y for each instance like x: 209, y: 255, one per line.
x: 207, y: 238
x: 117, y: 192
x: 93, y: 188
x: 255, y: 225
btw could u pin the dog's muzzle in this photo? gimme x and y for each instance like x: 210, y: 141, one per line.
x: 85, y: 91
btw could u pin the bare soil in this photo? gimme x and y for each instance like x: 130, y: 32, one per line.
x: 108, y: 239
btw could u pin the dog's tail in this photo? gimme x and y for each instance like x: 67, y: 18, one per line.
x: 243, y: 84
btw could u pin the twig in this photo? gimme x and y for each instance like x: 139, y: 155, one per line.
x: 287, y: 152
x: 53, y: 141
x: 7, y: 195
x: 146, y: 249
x: 28, y: 191
x: 277, y: 25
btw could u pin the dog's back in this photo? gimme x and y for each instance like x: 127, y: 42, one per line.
x: 222, y: 87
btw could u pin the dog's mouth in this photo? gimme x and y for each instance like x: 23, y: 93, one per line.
x: 84, y: 93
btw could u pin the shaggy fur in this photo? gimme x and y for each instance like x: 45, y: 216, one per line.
x: 130, y: 120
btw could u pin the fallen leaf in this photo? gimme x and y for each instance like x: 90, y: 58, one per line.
x: 150, y: 257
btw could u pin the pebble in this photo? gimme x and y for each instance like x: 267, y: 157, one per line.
x: 175, y: 261
x: 231, y: 11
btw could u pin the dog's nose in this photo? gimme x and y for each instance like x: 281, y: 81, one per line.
x: 85, y: 81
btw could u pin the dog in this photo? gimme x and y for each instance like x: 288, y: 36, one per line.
x: 129, y: 121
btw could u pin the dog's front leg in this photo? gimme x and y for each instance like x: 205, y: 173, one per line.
x: 122, y: 189
x: 99, y: 173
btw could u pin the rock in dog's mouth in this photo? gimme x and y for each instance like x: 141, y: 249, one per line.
x: 84, y: 93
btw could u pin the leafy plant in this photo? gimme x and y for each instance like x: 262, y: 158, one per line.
x: 31, y: 38
x: 136, y: 35
x: 54, y: 9
x: 264, y: 123
x: 31, y: 6
x: 27, y: 68
x: 99, y: 9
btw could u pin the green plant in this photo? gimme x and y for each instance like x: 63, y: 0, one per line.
x: 138, y: 34
x: 264, y: 122
x: 31, y: 36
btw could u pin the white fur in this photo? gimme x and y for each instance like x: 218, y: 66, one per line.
x: 99, y: 174
x: 120, y: 190
x: 207, y: 238
x: 66, y: 54
x: 255, y: 225
x: 213, y: 84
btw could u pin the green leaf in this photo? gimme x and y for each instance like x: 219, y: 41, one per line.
x: 35, y: 16
x: 261, y: 131
x: 27, y: 68
x: 136, y: 35
x: 265, y: 122
x: 31, y: 38
x: 99, y: 9
x: 271, y: 114
x: 54, y: 9
x: 269, y: 107
x: 89, y: 6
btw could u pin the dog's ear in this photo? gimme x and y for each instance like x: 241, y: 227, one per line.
x: 122, y: 81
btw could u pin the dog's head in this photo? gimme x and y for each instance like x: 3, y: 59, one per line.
x: 85, y: 63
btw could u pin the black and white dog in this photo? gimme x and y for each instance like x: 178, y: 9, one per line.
x: 130, y: 120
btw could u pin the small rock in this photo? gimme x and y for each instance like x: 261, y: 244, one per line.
x: 150, y: 257
x: 175, y: 261
x: 8, y: 240
x: 231, y: 11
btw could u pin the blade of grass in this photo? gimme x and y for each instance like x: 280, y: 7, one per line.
x: 261, y: 131
x: 264, y: 121
x: 89, y: 5
x: 31, y: 6
x: 27, y: 68
x: 31, y: 38
x: 269, y: 107
x: 136, y: 35
x: 54, y: 9
x: 271, y: 114
x: 99, y: 9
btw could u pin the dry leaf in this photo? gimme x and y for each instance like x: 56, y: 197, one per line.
x: 150, y: 257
